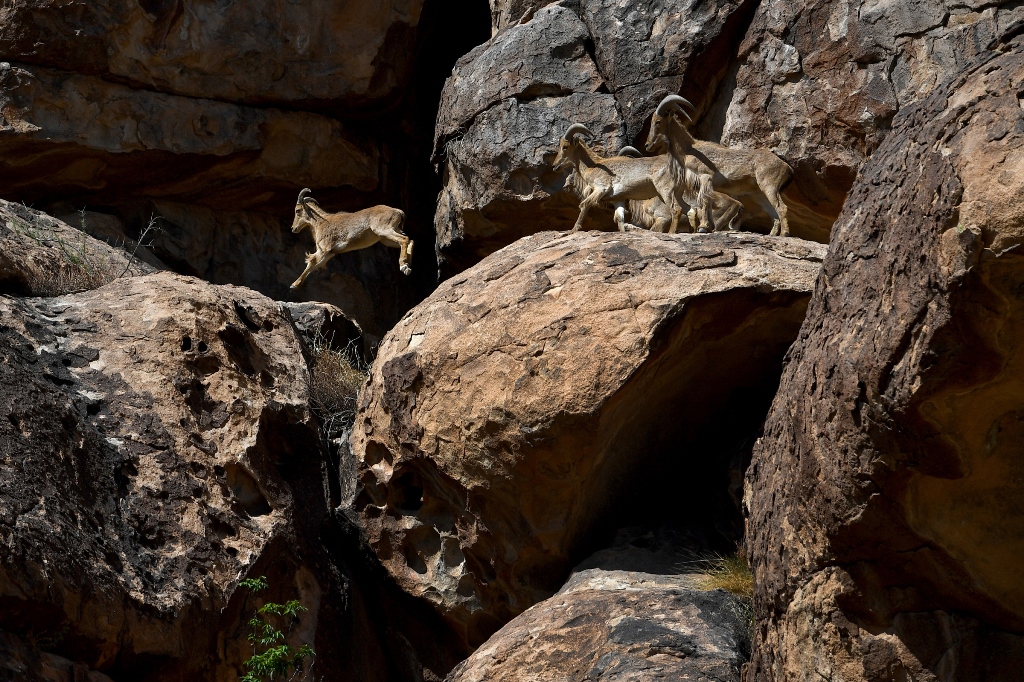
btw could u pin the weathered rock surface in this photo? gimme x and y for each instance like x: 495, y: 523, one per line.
x: 218, y: 114
x: 351, y: 53
x: 885, y: 498
x: 157, y: 448
x: 41, y: 255
x: 83, y: 133
x: 509, y: 412
x: 603, y: 63
x: 155, y: 429
x: 819, y: 82
x: 618, y: 625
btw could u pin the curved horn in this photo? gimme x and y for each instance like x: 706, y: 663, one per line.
x: 674, y: 103
x: 302, y: 196
x: 576, y: 129
x: 632, y: 152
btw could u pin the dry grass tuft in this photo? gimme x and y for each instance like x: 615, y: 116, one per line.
x: 79, y: 266
x: 730, y: 573
x: 335, y: 378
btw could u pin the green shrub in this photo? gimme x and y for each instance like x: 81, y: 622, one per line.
x: 271, y: 657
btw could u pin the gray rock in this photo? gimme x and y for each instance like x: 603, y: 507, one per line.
x: 820, y: 82
x: 603, y: 63
x: 615, y: 625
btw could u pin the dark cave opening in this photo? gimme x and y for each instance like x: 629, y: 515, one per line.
x: 680, y: 499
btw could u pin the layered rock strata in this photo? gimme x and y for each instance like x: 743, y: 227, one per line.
x: 509, y: 412
x: 885, y: 497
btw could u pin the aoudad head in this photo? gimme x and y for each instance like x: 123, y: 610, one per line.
x: 657, y: 138
x: 565, y: 145
x: 303, y: 214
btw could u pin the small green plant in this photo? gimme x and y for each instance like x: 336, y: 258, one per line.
x: 272, y: 658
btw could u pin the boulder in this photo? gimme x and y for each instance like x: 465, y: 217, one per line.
x: 618, y: 625
x: 819, y: 83
x: 353, y: 54
x: 885, y: 498
x: 507, y: 414
x: 157, y: 448
x: 603, y: 63
x: 497, y: 135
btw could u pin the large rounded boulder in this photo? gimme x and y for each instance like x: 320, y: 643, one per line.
x: 507, y: 415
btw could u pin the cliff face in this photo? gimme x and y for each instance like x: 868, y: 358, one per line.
x: 214, y: 115
x: 566, y: 442
x: 884, y: 496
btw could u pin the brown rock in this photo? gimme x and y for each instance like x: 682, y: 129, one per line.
x: 83, y: 133
x: 819, y: 82
x: 885, y: 497
x: 353, y: 53
x: 509, y: 411
x: 618, y: 625
x: 155, y: 429
x: 497, y: 135
x: 156, y: 448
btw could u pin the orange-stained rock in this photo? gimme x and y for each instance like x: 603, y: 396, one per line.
x: 510, y: 410
x: 886, y: 497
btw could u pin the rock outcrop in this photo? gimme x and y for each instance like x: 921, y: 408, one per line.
x: 214, y: 117
x: 157, y: 448
x: 603, y: 63
x: 43, y: 256
x: 885, y: 497
x: 353, y: 54
x: 512, y: 410
x: 618, y: 625
x: 819, y: 82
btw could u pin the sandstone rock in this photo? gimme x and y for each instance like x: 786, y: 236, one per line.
x: 885, y: 497
x: 156, y: 439
x: 352, y: 53
x: 618, y: 625
x: 520, y: 402
x: 157, y: 448
x: 82, y: 133
x: 819, y: 82
x: 603, y: 63
x: 40, y: 255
